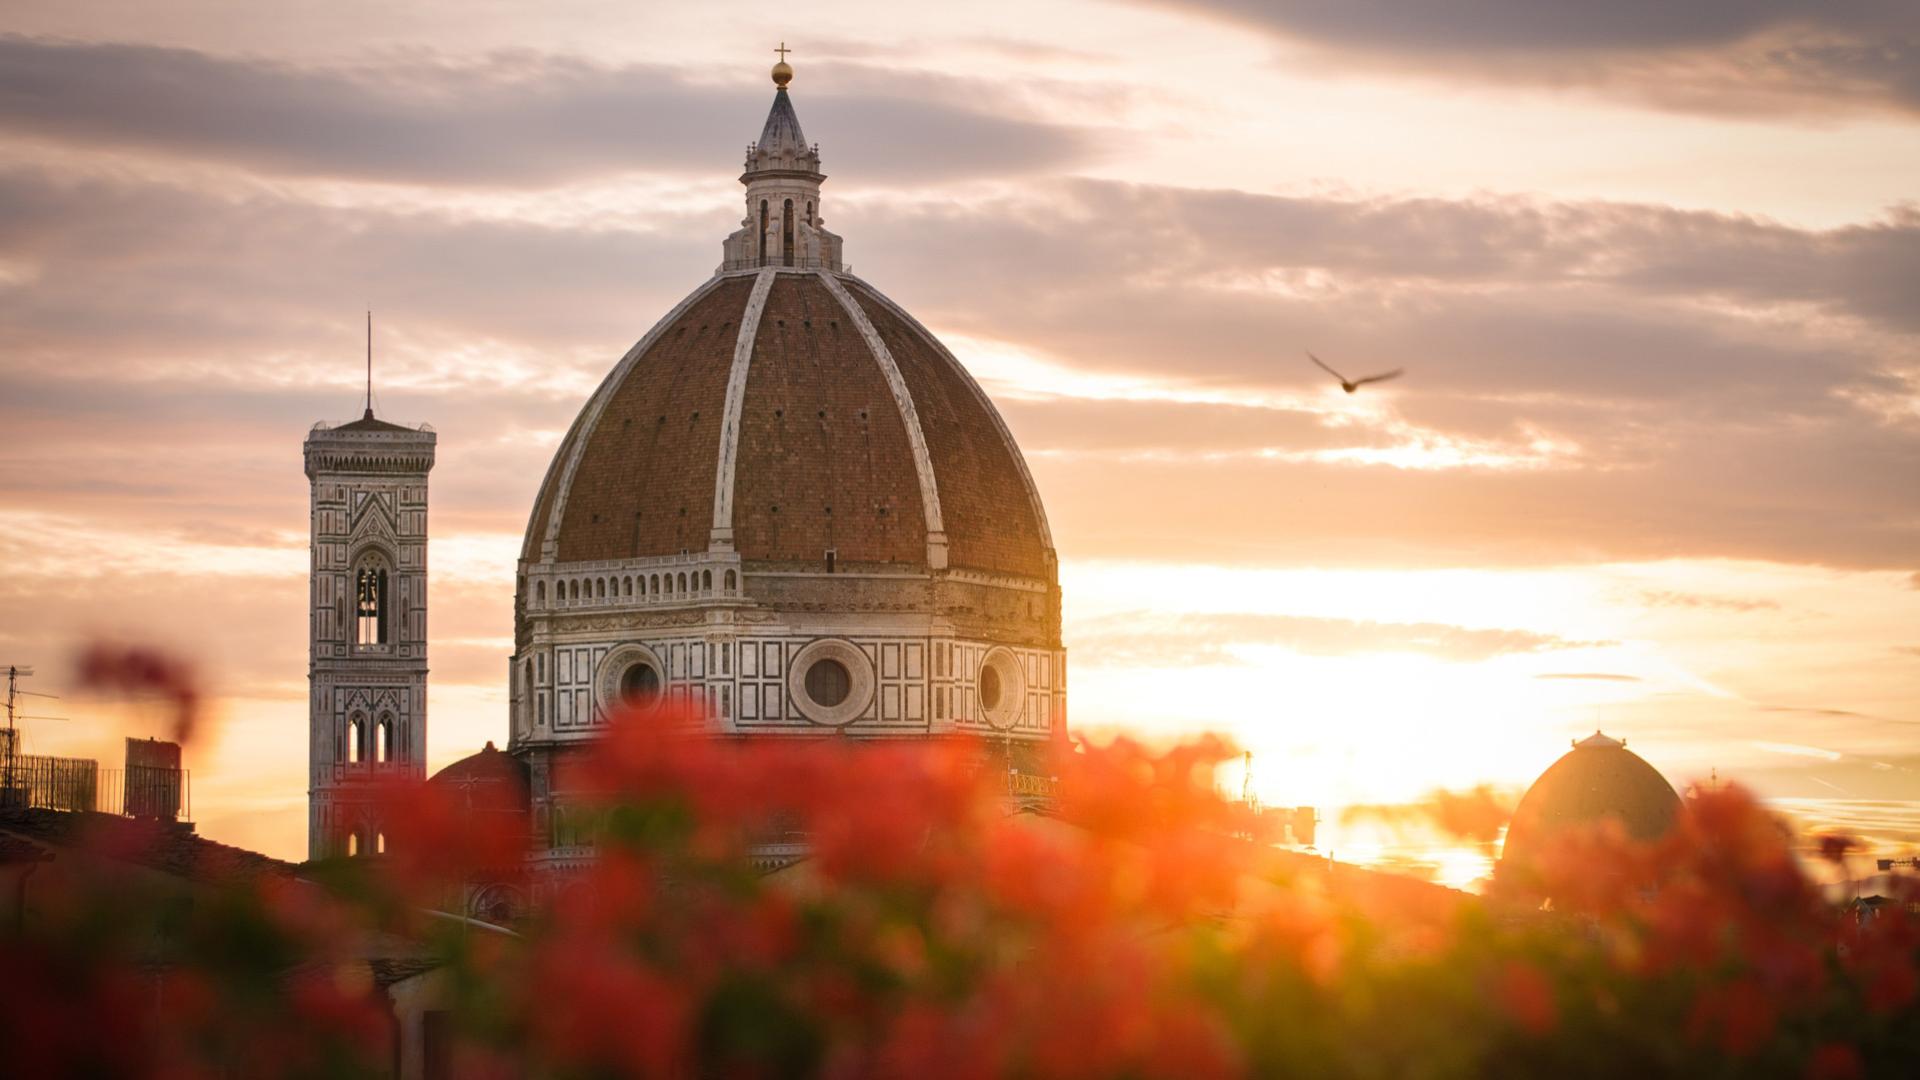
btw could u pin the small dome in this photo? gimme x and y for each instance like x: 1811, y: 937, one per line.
x: 1598, y: 778
x: 489, y: 781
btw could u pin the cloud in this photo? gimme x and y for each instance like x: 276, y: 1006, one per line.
x: 1671, y: 599
x: 1806, y: 711
x: 511, y: 119
x: 1738, y: 57
x: 1147, y: 639
x: 1589, y: 676
x: 1668, y: 394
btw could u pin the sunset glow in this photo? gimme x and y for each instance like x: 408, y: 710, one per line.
x: 1654, y: 467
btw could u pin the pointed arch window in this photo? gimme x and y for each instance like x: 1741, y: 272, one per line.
x: 370, y: 592
x: 356, y: 740
x: 786, y: 233
x: 383, y: 740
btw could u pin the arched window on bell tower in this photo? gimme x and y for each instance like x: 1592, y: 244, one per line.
x: 370, y: 603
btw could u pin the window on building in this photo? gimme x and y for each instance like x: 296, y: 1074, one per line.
x: 989, y: 687
x: 353, y: 844
x: 639, y: 685
x: 370, y: 604
x: 380, y: 844
x: 763, y: 232
x: 786, y: 233
x: 356, y: 741
x: 383, y: 740
x: 828, y: 682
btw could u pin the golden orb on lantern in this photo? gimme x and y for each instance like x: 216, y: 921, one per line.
x: 782, y: 71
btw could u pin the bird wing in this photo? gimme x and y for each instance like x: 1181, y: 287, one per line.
x: 1394, y: 374
x: 1325, y: 368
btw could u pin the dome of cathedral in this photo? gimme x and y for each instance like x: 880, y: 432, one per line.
x: 1599, y: 778
x: 789, y: 510
x: 785, y: 414
x: 491, y: 780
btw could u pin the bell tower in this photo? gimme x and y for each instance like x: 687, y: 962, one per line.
x: 367, y: 625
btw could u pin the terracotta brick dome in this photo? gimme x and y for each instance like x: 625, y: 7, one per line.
x: 791, y: 412
x: 491, y: 781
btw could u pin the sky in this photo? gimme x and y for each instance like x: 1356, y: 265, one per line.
x: 1651, y: 270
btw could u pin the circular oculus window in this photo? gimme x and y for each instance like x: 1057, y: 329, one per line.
x: 1000, y: 688
x: 631, y: 676
x: 828, y: 682
x: 639, y: 685
x: 831, y: 681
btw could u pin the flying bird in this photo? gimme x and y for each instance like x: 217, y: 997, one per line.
x: 1350, y: 385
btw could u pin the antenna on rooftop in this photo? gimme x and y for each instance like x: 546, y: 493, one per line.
x: 14, y: 674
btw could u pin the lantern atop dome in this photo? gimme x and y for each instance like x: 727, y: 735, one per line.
x: 783, y: 225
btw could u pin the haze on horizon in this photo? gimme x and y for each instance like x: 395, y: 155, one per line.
x: 1655, y: 466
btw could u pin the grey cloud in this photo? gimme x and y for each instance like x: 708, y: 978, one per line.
x: 1554, y: 24
x: 1187, y: 237
x: 508, y: 119
x: 1723, y: 56
x: 149, y: 310
x: 1135, y: 638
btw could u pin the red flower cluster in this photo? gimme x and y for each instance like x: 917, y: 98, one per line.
x: 140, y: 671
x: 836, y: 908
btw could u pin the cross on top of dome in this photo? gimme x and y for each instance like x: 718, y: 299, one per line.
x: 782, y: 71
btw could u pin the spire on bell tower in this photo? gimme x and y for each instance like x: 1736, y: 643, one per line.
x: 783, y: 226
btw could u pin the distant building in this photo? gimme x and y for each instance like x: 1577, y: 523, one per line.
x: 787, y: 508
x: 366, y: 625
x: 1599, y: 779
